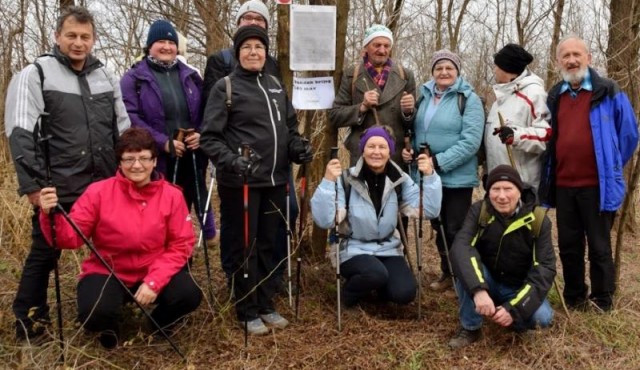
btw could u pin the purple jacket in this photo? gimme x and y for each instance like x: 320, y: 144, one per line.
x: 143, y: 99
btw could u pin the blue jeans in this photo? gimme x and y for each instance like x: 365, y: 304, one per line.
x: 500, y: 293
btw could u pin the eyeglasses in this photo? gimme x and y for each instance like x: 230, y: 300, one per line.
x: 253, y: 18
x: 250, y: 48
x: 130, y: 161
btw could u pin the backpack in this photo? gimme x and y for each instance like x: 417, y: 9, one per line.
x: 485, y: 219
x: 226, y: 57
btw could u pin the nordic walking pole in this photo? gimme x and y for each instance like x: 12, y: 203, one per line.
x: 43, y: 141
x: 427, y: 150
x: 336, y: 236
x: 303, y: 219
x: 288, y: 202
x: 92, y: 248
x: 246, y: 153
x: 513, y: 164
x: 207, y: 205
x: 201, y: 218
x: 179, y: 136
x: 423, y: 149
x: 373, y: 109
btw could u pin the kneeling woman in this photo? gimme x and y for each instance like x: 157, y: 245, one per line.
x: 140, y: 225
x: 371, y: 256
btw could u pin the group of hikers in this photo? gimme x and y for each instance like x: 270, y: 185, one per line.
x: 121, y: 164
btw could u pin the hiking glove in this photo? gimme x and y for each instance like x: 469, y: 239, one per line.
x: 300, y: 152
x: 505, y: 134
x: 241, y: 165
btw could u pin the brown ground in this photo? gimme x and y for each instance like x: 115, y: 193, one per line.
x: 372, y: 336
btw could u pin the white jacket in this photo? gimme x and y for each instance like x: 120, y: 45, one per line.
x: 522, y: 104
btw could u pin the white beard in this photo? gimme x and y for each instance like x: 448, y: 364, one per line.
x: 574, y: 78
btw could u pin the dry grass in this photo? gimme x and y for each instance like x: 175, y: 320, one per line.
x: 373, y: 337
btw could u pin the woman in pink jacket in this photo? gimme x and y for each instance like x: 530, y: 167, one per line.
x: 139, y: 223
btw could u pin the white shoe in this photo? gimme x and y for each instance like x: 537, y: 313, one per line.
x: 254, y: 327
x: 275, y: 320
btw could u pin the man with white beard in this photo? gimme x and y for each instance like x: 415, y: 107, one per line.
x: 594, y: 135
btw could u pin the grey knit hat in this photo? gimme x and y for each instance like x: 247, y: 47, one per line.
x: 445, y: 54
x: 255, y: 6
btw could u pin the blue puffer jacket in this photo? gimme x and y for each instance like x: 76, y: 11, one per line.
x: 143, y: 99
x: 454, y: 139
x: 615, y: 137
x: 370, y: 233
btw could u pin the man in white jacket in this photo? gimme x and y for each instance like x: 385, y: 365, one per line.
x: 521, y: 102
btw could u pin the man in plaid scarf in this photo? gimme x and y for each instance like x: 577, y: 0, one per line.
x: 375, y: 90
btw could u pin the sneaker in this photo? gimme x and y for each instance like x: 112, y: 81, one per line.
x: 255, y: 327
x: 464, y: 338
x: 443, y: 283
x: 274, y: 319
x: 108, y: 339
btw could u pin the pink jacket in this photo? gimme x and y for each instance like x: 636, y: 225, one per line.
x: 145, y: 234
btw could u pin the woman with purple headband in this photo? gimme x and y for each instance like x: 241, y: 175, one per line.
x: 371, y: 253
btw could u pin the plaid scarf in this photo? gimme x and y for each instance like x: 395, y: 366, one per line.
x: 380, y: 78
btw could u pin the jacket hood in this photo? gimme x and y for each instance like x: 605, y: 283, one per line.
x: 460, y: 86
x: 526, y: 78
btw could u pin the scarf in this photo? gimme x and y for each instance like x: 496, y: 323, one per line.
x: 162, y: 64
x: 379, y: 78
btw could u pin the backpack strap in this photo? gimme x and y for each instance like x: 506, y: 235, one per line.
x: 462, y: 102
x: 539, y: 213
x: 484, y: 219
x: 226, y: 57
x: 227, y: 102
x: 41, y: 74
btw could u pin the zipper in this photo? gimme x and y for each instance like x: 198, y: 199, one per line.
x: 273, y: 127
x: 275, y: 103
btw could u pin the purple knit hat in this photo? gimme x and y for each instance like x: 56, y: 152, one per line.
x: 378, y: 131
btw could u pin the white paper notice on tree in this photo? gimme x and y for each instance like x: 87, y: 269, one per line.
x: 312, y: 43
x: 313, y: 93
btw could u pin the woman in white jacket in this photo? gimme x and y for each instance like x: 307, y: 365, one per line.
x: 521, y: 101
x: 371, y: 255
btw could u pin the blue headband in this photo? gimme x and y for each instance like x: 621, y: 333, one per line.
x: 377, y: 131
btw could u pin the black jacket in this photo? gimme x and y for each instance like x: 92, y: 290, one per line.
x: 510, y: 255
x: 260, y: 115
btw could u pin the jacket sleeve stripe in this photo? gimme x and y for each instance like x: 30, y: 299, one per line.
x: 477, y: 269
x: 528, y: 101
x: 521, y: 294
x: 544, y: 138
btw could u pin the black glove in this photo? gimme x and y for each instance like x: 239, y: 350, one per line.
x: 241, y: 165
x: 301, y: 152
x: 505, y: 133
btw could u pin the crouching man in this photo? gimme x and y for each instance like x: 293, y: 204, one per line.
x: 504, y: 260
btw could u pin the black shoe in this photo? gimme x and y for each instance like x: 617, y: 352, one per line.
x: 464, y: 338
x: 443, y: 283
x: 32, y: 331
x: 108, y: 339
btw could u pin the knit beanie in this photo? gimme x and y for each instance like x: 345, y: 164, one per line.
x: 255, y: 6
x: 378, y: 131
x: 504, y: 172
x: 161, y: 30
x: 376, y: 30
x: 246, y: 32
x: 512, y: 58
x: 445, y: 54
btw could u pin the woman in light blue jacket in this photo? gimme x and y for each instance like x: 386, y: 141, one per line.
x: 450, y: 119
x: 371, y: 255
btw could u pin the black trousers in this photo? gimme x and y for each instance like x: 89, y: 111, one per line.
x: 578, y: 215
x: 101, y: 297
x: 266, y: 209
x: 455, y: 205
x: 34, y: 282
x: 280, y: 248
x: 390, y: 276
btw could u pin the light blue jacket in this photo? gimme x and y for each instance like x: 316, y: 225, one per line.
x: 454, y: 139
x: 370, y: 233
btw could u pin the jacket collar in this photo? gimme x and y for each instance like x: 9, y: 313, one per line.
x: 90, y: 64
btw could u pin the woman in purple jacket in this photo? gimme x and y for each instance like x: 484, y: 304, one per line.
x: 163, y: 95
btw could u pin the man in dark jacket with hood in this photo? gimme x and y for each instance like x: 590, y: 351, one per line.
x: 505, y: 271
x: 85, y: 115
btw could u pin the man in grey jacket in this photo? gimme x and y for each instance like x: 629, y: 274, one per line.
x: 376, y: 88
x: 69, y: 96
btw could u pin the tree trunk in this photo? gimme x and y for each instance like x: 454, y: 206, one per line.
x: 622, y: 61
x: 555, y: 38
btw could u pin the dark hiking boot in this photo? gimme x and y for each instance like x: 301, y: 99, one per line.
x: 464, y: 338
x: 34, y: 332
x: 443, y: 283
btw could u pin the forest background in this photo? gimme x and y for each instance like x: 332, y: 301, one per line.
x: 372, y: 336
